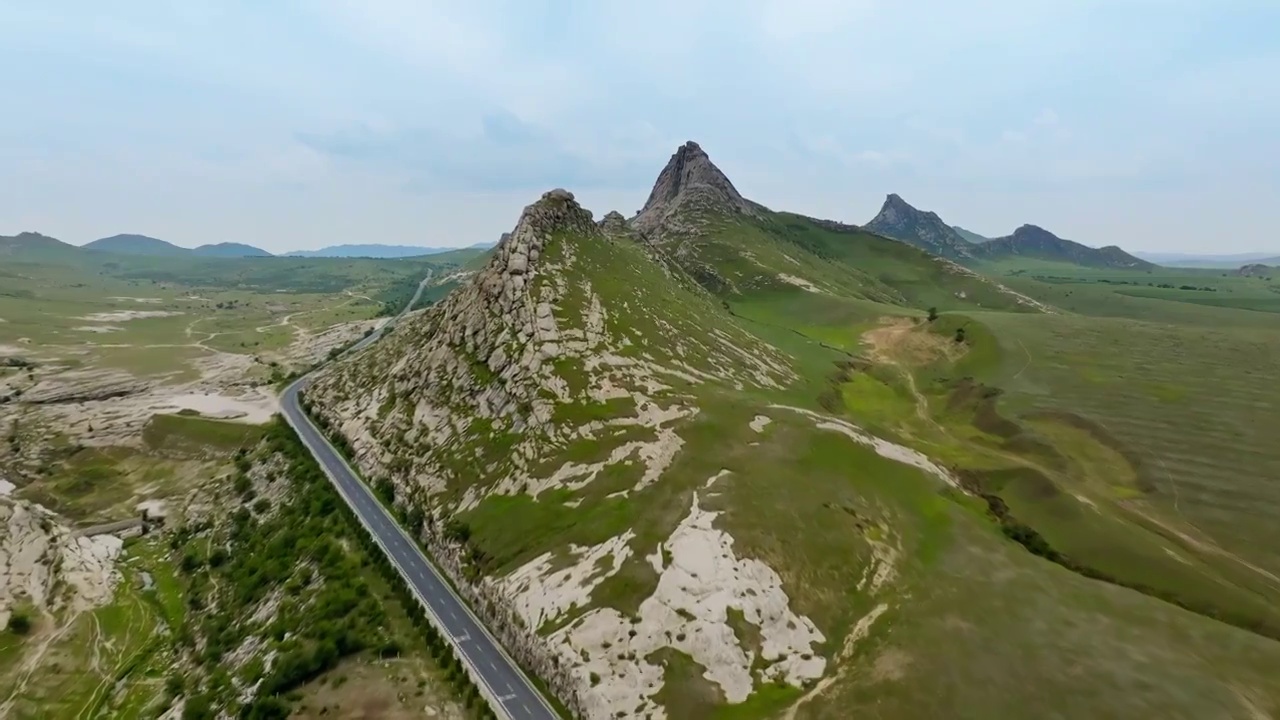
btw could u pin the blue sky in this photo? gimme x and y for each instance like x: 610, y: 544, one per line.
x: 1152, y: 124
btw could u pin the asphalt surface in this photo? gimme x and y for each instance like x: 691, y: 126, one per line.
x: 479, y: 650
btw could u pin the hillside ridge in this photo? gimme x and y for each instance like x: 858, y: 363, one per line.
x: 1034, y: 241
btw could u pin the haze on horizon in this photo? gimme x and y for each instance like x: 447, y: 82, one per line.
x: 1143, y: 123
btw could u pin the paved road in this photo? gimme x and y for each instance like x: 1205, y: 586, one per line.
x: 373, y: 336
x: 502, y: 678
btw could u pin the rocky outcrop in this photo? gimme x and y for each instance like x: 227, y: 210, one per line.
x: 899, y: 220
x: 1258, y: 270
x: 40, y: 555
x: 86, y: 386
x: 834, y: 225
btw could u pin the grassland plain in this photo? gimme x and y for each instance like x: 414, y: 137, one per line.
x: 1182, y: 296
x: 1188, y: 388
x: 664, y: 484
x: 114, y: 374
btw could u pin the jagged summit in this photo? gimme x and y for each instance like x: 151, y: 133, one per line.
x: 690, y: 182
x: 899, y: 220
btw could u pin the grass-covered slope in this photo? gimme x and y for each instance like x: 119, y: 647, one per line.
x: 725, y: 506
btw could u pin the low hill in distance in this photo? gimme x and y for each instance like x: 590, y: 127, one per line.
x: 1190, y: 260
x: 375, y: 250
x: 1030, y: 241
x: 132, y: 244
x: 899, y: 220
x: 230, y: 250
x: 34, y: 247
x: 1258, y: 270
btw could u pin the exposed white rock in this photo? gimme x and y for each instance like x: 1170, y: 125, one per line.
x: 689, y: 612
x: 126, y: 315
x: 799, y: 282
x: 37, y: 553
x: 543, y: 595
x: 760, y: 422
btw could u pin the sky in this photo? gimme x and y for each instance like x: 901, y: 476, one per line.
x: 1151, y: 124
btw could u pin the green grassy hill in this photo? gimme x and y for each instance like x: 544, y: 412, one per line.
x: 716, y: 494
x: 1037, y: 243
x: 129, y: 244
x: 34, y: 247
x: 229, y: 249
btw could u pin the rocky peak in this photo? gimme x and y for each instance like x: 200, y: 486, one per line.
x: 894, y: 200
x: 894, y: 211
x: 899, y: 220
x: 690, y: 181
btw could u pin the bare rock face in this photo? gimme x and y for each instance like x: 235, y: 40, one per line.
x: 689, y: 184
x: 479, y: 351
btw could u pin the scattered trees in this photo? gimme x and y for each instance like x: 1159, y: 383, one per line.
x: 312, y: 548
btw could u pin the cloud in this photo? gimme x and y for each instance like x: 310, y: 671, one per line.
x: 503, y: 154
x: 434, y: 115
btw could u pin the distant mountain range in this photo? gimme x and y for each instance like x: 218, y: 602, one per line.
x: 1192, y: 260
x: 131, y: 244
x: 899, y: 220
x: 375, y: 250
